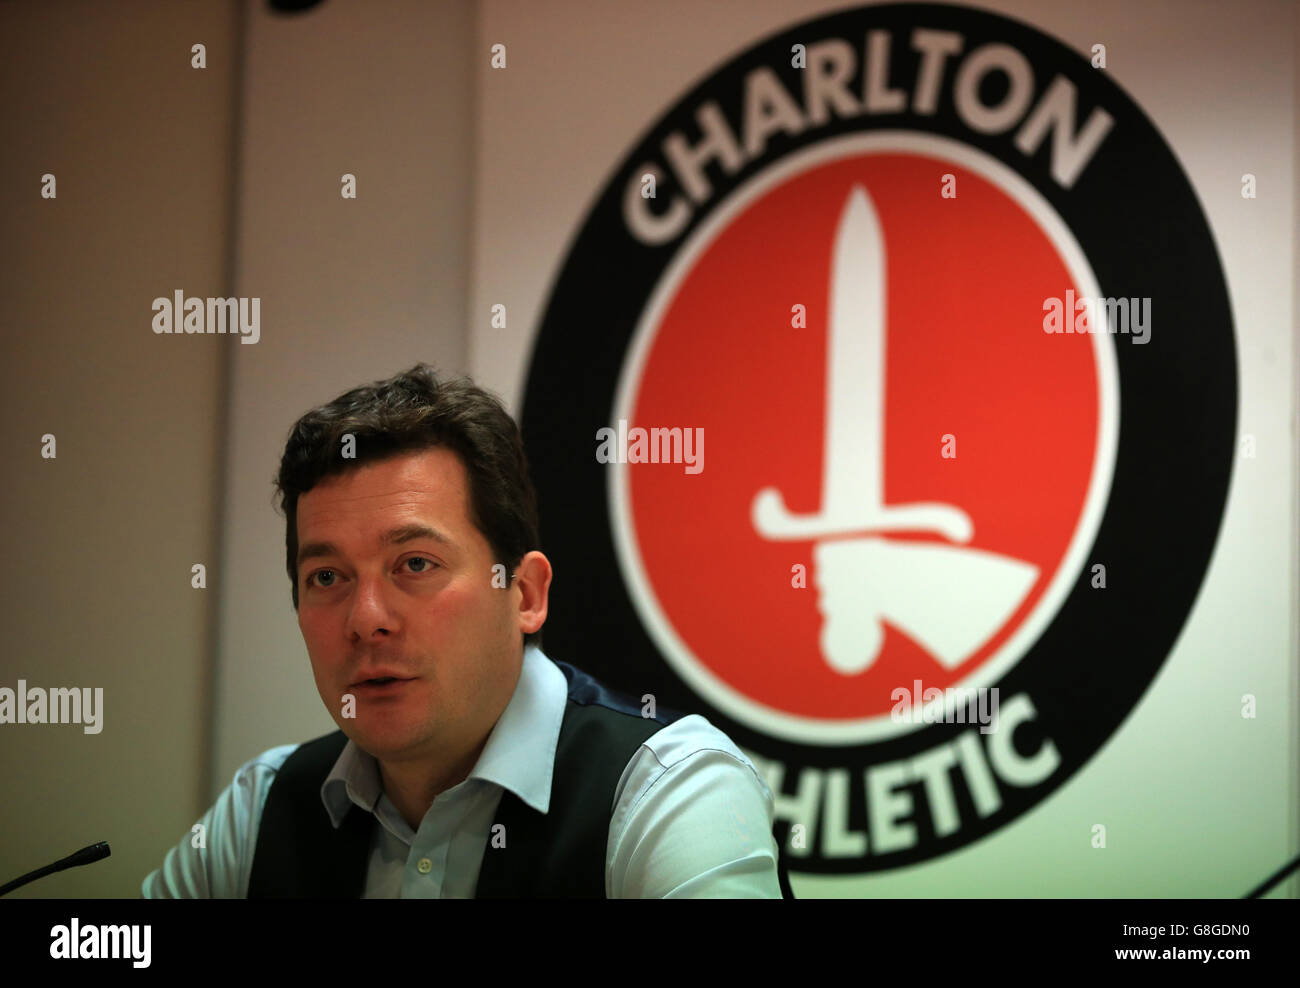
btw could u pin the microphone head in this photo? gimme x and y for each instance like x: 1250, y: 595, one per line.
x: 92, y: 853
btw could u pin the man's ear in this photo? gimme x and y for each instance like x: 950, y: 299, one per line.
x: 533, y: 581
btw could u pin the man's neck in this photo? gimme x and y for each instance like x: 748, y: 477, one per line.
x: 412, y: 786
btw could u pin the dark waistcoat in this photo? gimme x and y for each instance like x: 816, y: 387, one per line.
x: 557, y: 854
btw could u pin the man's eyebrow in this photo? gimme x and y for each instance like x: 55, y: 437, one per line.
x: 394, y: 536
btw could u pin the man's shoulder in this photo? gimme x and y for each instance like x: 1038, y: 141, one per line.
x: 692, y: 743
x: 218, y: 868
x: 674, y: 736
x: 273, y: 759
x: 265, y: 767
x: 587, y: 690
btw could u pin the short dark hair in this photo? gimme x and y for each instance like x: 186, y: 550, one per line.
x: 407, y: 413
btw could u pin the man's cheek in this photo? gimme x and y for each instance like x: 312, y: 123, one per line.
x: 456, y: 606
x: 310, y: 624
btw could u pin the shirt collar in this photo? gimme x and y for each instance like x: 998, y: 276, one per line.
x: 519, y: 754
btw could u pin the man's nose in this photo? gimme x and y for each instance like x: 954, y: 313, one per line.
x: 372, y: 612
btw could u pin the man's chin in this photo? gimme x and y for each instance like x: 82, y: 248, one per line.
x: 387, y: 741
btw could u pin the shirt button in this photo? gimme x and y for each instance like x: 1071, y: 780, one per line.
x: 425, y: 866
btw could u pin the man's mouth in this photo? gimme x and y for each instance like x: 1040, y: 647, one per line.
x: 376, y: 682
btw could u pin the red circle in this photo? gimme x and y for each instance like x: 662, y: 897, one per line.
x: 966, y: 280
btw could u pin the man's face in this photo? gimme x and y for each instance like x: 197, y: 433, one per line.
x: 395, y: 580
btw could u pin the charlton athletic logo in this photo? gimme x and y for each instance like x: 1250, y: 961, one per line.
x: 883, y: 412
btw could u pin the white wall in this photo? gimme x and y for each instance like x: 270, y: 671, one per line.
x: 352, y: 291
x: 98, y: 543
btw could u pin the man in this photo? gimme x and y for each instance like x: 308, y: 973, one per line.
x: 467, y: 763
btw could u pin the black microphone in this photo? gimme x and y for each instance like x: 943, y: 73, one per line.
x: 86, y: 855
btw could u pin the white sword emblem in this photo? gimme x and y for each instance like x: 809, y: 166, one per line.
x: 948, y: 599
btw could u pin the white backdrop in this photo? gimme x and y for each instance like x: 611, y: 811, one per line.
x: 1199, y: 802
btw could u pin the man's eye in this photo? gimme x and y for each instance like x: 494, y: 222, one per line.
x: 317, y: 577
x: 429, y: 566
